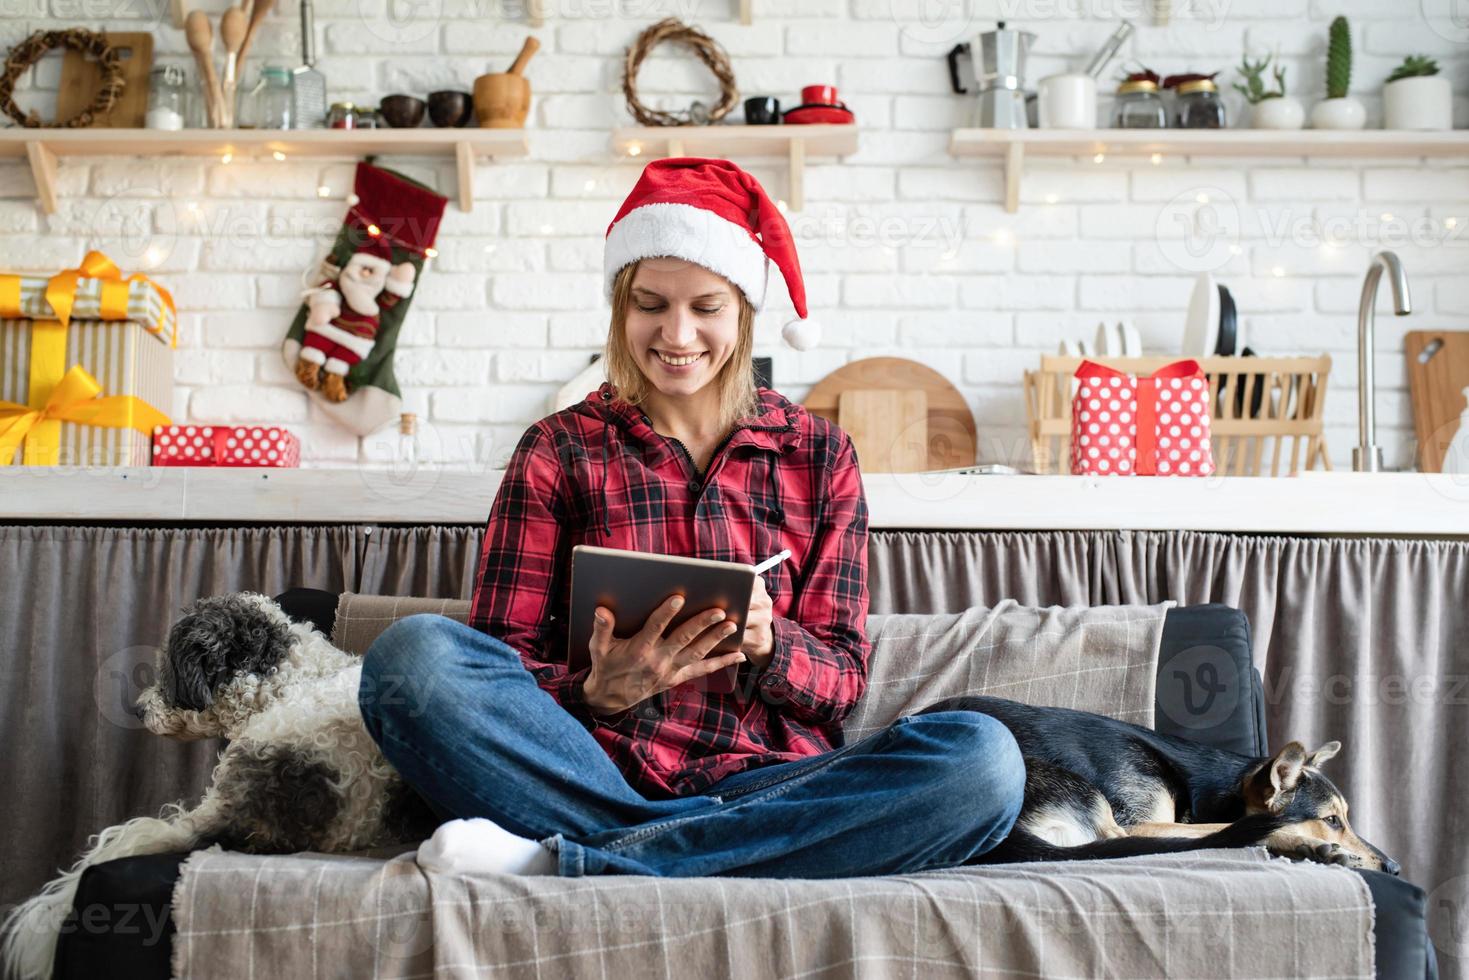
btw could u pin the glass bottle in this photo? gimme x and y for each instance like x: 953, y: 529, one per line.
x: 342, y: 115
x: 407, y: 441
x: 1139, y: 106
x: 1198, y: 106
x: 168, y: 100
x: 268, y: 104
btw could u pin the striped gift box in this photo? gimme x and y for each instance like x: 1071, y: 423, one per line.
x: 145, y: 304
x: 124, y: 356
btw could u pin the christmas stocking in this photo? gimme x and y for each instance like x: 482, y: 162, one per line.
x: 341, y: 343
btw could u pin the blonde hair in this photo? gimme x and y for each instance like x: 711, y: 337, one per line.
x: 736, y: 379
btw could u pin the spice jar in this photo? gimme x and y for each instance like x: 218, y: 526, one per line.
x: 167, y: 98
x: 1198, y: 105
x: 342, y: 115
x: 1139, y: 106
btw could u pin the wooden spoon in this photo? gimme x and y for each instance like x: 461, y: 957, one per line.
x: 200, y: 36
x: 232, y: 29
x: 529, y: 48
x: 258, y: 10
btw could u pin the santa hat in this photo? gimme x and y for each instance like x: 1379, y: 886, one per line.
x: 711, y: 213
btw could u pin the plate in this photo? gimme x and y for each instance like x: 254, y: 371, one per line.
x: 1201, y: 331
x: 1228, y: 324
x: 809, y: 114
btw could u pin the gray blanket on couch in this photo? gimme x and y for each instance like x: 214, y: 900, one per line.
x: 1207, y: 914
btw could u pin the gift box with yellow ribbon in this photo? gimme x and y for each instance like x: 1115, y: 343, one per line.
x: 86, y: 366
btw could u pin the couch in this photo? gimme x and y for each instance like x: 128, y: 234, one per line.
x: 1204, y: 650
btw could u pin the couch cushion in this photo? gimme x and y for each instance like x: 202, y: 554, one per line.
x: 1203, y: 914
x: 1101, y: 659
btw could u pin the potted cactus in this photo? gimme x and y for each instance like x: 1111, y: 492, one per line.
x: 1415, y: 96
x: 1269, y: 109
x: 1339, y: 110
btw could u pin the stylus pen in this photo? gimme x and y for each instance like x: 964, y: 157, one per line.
x: 772, y: 561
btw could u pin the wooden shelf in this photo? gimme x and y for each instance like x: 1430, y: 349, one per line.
x: 1015, y: 144
x: 43, y: 146
x: 794, y: 143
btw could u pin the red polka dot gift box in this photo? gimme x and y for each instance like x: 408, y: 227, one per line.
x: 225, y: 445
x: 1127, y: 426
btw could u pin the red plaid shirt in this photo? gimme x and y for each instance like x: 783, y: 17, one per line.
x: 597, y: 473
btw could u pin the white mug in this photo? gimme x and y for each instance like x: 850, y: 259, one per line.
x: 1068, y: 101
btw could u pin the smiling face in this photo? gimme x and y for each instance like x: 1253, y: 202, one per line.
x: 681, y: 332
x: 682, y: 326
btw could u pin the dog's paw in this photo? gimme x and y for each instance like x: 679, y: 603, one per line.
x: 1317, y: 852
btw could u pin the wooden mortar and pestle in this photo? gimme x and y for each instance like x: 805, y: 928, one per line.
x: 502, y: 99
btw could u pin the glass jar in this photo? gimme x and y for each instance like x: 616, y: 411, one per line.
x: 342, y: 115
x: 1198, y: 106
x: 168, y: 98
x: 368, y: 118
x: 268, y: 104
x: 1139, y: 106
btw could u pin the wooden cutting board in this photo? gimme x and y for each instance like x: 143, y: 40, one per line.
x: 889, y: 429
x: 81, y: 77
x: 1438, y: 373
x: 951, y: 435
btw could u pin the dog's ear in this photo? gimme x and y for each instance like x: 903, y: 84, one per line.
x: 196, y: 661
x: 1322, y: 754
x: 1270, y: 785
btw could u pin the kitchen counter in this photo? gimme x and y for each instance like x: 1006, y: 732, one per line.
x: 1314, y: 503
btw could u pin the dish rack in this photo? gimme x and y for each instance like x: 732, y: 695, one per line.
x: 1258, y: 403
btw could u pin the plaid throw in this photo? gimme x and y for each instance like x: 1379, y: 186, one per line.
x: 1203, y: 915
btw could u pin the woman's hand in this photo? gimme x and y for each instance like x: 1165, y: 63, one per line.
x: 759, y: 642
x: 626, y: 672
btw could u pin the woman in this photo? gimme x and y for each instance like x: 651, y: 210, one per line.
x: 630, y: 766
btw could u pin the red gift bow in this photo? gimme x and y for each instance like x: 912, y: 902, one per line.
x: 1147, y: 404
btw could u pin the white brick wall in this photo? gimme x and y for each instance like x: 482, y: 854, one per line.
x: 907, y: 250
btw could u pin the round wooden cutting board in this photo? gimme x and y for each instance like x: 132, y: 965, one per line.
x: 952, y: 438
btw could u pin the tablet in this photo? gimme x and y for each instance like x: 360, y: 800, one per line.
x: 634, y: 583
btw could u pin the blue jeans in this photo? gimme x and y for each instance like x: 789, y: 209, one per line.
x: 459, y: 716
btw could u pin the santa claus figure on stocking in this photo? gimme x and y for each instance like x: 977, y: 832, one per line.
x: 345, y: 311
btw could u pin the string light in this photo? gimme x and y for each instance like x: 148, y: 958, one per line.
x: 226, y: 157
x: 430, y: 253
x: 633, y: 149
x: 279, y: 156
x: 1202, y: 198
x: 374, y: 230
x: 1099, y: 158
x: 1157, y: 158
x: 1451, y: 222
x: 1277, y: 272
x: 323, y: 191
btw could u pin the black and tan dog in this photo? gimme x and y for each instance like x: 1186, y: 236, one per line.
x: 1097, y: 787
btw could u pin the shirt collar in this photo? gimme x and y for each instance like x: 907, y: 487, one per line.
x: 775, y: 425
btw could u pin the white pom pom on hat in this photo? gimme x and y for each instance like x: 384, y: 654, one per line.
x: 713, y: 214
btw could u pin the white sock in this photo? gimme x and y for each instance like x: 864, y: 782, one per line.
x: 478, y: 845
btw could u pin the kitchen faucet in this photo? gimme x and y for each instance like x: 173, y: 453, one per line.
x: 1367, y: 457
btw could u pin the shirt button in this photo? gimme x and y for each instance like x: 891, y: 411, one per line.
x: 648, y: 712
x: 694, y: 486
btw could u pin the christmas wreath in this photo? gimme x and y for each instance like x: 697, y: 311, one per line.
x: 29, y: 51
x: 707, y: 50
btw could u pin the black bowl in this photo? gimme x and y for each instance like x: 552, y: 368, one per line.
x: 450, y: 108
x: 402, y: 111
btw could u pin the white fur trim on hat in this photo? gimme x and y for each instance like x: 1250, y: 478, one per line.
x: 697, y: 235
